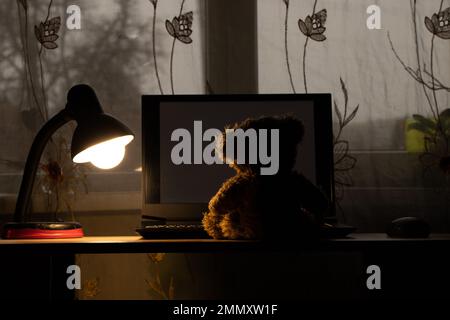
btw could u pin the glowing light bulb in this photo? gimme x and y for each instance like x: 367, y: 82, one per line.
x: 108, y: 156
x: 105, y: 155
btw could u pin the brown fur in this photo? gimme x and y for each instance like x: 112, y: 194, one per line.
x: 253, y: 206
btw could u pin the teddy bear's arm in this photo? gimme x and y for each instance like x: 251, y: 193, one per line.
x: 231, y: 214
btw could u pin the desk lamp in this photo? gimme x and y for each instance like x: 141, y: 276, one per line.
x: 98, y: 138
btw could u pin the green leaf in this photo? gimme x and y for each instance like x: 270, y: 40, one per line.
x: 184, y: 39
x: 341, y: 149
x: 346, y: 164
x: 302, y: 27
x: 341, y: 146
x: 338, y: 113
x: 351, y: 116
x: 445, y: 114
x: 344, y: 90
x: 425, y: 122
x: 445, y: 121
x: 170, y: 28
x: 446, y: 126
x: 444, y: 34
x: 50, y: 45
x: 318, y: 37
x: 429, y: 25
x: 419, y: 127
x: 308, y: 23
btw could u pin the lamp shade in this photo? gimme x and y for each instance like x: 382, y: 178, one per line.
x: 100, y: 139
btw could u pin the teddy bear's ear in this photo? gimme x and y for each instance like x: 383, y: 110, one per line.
x: 292, y: 128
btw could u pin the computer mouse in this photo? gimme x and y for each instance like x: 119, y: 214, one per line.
x: 409, y: 227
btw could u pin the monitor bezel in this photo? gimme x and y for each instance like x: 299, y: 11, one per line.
x: 190, y: 211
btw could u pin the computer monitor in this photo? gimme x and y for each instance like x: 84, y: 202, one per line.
x: 182, y: 191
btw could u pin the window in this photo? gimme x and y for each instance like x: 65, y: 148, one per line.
x: 112, y: 52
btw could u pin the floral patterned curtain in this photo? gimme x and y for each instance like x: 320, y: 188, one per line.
x: 390, y: 89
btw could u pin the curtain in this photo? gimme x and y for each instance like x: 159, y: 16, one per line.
x: 382, y: 168
x: 388, y: 85
x: 117, y: 50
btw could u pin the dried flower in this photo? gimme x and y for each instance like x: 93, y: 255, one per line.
x: 47, y: 31
x: 439, y: 24
x: 180, y: 27
x: 90, y: 288
x: 156, y: 257
x: 61, y: 180
x: 53, y: 170
x: 313, y: 27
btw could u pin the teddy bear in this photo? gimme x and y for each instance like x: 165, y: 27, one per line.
x: 250, y: 205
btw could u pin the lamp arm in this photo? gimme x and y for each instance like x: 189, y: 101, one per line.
x: 34, y: 156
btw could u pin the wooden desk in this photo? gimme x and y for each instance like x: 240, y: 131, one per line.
x: 135, y: 244
x: 422, y: 260
x: 119, y: 244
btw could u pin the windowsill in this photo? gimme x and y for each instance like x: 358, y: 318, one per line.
x: 92, y: 201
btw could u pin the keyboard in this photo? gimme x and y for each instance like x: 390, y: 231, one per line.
x: 335, y: 231
x: 173, y: 231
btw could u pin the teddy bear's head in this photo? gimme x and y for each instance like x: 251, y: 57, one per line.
x: 291, y: 131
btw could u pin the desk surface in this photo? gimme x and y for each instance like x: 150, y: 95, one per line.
x: 135, y: 244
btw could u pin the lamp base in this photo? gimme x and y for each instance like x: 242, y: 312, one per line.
x: 42, y: 230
